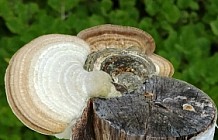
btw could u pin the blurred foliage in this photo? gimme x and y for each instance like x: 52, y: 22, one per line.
x: 185, y: 32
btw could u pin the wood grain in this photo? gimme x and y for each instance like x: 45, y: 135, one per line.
x: 158, y: 116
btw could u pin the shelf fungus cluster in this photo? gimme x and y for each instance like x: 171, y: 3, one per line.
x: 50, y: 81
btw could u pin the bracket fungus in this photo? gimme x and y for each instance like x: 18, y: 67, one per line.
x: 47, y: 87
x: 99, y: 82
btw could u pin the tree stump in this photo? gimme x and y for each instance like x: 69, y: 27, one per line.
x: 162, y: 109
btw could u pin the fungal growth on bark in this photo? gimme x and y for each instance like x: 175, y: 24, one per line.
x: 105, y: 83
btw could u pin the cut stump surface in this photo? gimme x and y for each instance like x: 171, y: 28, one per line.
x: 163, y: 108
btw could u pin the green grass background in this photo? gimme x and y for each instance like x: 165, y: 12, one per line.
x: 185, y: 32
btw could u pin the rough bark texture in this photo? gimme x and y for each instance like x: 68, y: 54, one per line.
x: 84, y: 129
x: 162, y: 109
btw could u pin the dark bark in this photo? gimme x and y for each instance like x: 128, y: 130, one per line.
x: 84, y: 129
x: 162, y: 109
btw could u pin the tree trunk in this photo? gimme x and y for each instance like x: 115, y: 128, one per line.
x: 162, y: 109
